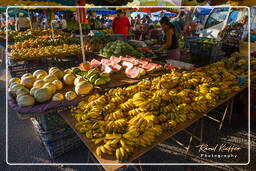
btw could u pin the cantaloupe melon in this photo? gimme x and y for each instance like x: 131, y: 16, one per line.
x: 68, y: 79
x: 43, y: 95
x: 70, y: 95
x: 57, y: 97
x: 58, y: 84
x: 25, y: 100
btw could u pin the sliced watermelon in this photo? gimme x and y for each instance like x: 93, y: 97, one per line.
x: 142, y: 62
x: 170, y: 67
x: 95, y: 63
x: 128, y: 65
x: 115, y: 59
x: 106, y: 69
x: 146, y: 59
x: 116, y: 67
x: 149, y: 67
x: 136, y: 62
x: 132, y: 73
x: 158, y: 66
x: 127, y: 58
x: 141, y: 70
x: 105, y: 62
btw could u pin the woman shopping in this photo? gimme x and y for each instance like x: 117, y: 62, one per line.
x: 171, y: 40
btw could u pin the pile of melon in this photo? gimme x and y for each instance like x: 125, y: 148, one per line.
x: 42, y: 86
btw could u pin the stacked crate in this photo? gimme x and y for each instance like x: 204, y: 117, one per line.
x: 57, y: 137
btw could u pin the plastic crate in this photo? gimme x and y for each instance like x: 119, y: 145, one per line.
x: 205, y: 53
x: 17, y: 69
x: 57, y: 141
x: 61, y: 146
x: 50, y: 121
x: 53, y: 134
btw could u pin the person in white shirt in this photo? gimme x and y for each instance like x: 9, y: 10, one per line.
x: 63, y: 23
x: 22, y: 23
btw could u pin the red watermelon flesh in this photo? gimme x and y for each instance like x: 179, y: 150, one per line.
x: 145, y: 59
x: 149, y: 67
x: 127, y: 58
x: 132, y: 73
x: 136, y: 63
x: 141, y: 70
x: 95, y: 63
x: 116, y: 67
x: 142, y: 62
x: 158, y: 66
x: 115, y: 59
x: 128, y: 65
x: 105, y: 62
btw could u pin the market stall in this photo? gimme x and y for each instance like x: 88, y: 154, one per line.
x: 120, y: 99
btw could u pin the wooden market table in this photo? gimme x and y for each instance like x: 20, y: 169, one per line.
x: 108, y: 162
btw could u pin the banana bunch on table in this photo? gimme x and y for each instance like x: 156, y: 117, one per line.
x: 124, y: 119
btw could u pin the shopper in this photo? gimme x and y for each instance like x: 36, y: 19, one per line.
x: 121, y: 24
x: 22, y: 23
x: 171, y: 41
x: 63, y: 23
x: 35, y: 23
x: 231, y: 36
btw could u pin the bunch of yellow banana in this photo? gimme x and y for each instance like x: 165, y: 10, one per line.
x: 170, y: 125
x: 128, y: 105
x: 119, y: 125
x: 125, y: 118
x: 118, y: 114
x: 146, y: 139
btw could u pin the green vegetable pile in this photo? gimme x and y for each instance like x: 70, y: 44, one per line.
x: 119, y: 48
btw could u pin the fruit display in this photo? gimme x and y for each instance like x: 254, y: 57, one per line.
x: 37, y: 43
x: 119, y: 48
x: 33, y: 34
x: 23, y: 37
x: 124, y: 119
x: 132, y: 67
x: 64, y: 49
x: 92, y: 75
x: 41, y: 87
x: 108, y: 31
x: 96, y: 43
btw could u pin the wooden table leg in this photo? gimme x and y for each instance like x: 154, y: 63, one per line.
x: 224, y: 115
x: 201, y: 130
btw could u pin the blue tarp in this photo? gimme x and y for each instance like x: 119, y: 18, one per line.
x: 165, y: 13
x: 102, y: 11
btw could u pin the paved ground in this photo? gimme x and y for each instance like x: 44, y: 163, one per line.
x: 25, y: 147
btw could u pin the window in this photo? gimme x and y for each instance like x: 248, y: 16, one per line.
x: 233, y: 16
x: 217, y: 16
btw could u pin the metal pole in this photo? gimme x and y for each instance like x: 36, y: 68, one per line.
x: 81, y: 36
x: 30, y: 23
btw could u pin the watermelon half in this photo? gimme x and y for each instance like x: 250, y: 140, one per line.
x: 149, y: 67
x: 128, y: 65
x: 145, y: 59
x: 141, y: 70
x: 142, y: 62
x: 132, y: 73
x: 158, y: 66
x: 105, y: 62
x: 136, y: 62
x: 95, y: 63
x: 115, y: 59
x: 116, y: 67
x: 127, y: 58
